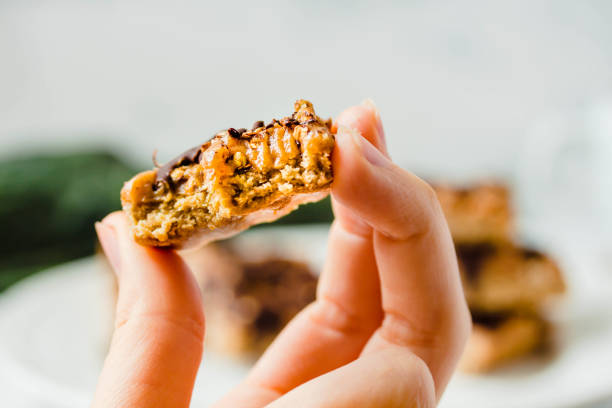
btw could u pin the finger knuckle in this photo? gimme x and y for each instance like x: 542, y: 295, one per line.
x: 396, y: 329
x: 328, y: 313
x: 193, y: 326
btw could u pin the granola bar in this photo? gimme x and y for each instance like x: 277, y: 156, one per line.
x: 236, y: 179
x: 247, y: 301
x: 507, y: 278
x: 497, y: 340
x: 477, y: 213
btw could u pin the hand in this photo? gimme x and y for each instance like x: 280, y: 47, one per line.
x: 387, y: 328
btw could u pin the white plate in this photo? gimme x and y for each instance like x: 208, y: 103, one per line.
x: 54, y: 330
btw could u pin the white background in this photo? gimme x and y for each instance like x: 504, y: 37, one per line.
x: 458, y: 83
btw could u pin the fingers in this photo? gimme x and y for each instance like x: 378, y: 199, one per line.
x: 389, y: 254
x: 388, y: 378
x: 157, y: 344
x: 327, y: 334
x: 422, y: 299
x: 333, y: 330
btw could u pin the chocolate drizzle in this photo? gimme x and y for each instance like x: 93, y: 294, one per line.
x: 239, y: 133
x: 193, y: 155
x: 528, y: 253
x: 188, y: 157
x: 233, y: 133
x: 280, y: 287
x: 290, y: 122
x: 473, y: 256
x: 268, y: 320
x: 489, y: 320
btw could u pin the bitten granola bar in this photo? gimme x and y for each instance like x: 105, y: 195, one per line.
x: 236, y: 179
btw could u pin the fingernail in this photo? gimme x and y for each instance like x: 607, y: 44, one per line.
x: 369, y: 103
x: 371, y: 153
x: 108, y: 239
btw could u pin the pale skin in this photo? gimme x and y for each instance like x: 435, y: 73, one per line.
x: 386, y: 330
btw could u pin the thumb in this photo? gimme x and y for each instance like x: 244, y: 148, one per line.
x: 157, y: 344
x: 421, y: 293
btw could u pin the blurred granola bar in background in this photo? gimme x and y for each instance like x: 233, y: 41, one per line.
x: 251, y: 294
x: 505, y: 284
x: 248, y: 300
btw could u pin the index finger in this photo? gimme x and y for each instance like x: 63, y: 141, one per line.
x: 422, y: 299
